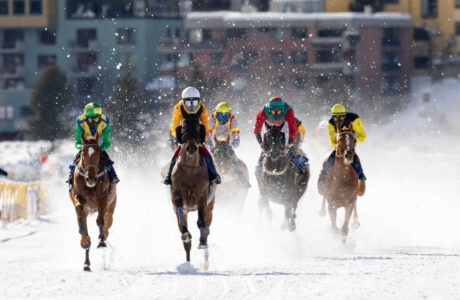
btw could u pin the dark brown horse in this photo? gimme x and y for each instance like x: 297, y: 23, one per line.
x: 235, y: 175
x: 190, y: 189
x: 341, y: 186
x: 278, y: 179
x: 92, y: 192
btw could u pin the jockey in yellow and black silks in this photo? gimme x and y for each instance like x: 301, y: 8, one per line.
x: 191, y: 103
x: 341, y: 118
x: 91, y: 122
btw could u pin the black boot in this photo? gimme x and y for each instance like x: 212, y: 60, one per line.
x: 358, y: 168
x: 167, y: 180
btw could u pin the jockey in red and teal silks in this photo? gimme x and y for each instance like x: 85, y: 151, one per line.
x: 278, y: 113
x: 91, y: 122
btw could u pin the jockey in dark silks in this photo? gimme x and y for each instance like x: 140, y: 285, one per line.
x: 191, y: 103
x: 278, y: 113
x: 340, y: 118
x: 91, y: 122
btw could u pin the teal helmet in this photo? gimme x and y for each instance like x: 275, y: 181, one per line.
x: 276, y: 102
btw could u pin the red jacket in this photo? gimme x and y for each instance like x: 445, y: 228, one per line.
x: 289, y: 118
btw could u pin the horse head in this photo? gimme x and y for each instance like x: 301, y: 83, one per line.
x: 191, y: 131
x: 274, y: 142
x: 90, y: 159
x: 223, y: 152
x: 345, y: 144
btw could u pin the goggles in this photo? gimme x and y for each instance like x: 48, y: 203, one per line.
x: 276, y: 112
x: 223, y: 116
x: 338, y: 118
x: 93, y: 120
x: 191, y: 103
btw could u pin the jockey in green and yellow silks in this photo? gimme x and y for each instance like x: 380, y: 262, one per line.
x: 341, y: 118
x: 90, y: 123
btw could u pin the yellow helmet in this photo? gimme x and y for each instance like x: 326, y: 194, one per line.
x: 338, y: 110
x: 223, y: 107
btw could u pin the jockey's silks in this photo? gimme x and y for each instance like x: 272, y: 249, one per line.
x: 177, y: 117
x: 103, y: 129
x: 350, y: 118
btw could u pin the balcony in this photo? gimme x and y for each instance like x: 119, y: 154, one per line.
x: 12, y: 47
x: 89, y: 46
x: 17, y: 73
x: 346, y: 68
x: 326, y: 42
x: 391, y: 67
x: 170, y: 45
x: 83, y: 72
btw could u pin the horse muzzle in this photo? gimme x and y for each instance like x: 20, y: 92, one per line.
x: 191, y: 149
x: 349, y: 157
x: 90, y: 181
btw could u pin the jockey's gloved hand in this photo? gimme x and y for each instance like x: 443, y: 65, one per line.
x: 288, y: 146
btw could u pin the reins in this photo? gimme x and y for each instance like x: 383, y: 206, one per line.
x: 82, y: 173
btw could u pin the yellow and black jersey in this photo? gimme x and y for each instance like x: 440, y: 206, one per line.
x: 350, y: 118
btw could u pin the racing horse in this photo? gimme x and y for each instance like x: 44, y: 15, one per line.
x: 92, y: 192
x: 190, y: 188
x: 341, y: 186
x: 234, y: 172
x: 278, y: 179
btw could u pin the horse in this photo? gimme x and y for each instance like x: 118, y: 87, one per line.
x: 341, y: 186
x: 92, y: 192
x: 233, y: 171
x: 190, y: 188
x: 278, y: 179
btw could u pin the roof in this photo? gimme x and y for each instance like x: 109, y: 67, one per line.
x: 225, y: 19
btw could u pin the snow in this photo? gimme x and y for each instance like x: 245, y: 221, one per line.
x: 407, y: 247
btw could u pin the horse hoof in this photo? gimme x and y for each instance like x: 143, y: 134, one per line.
x: 102, y: 244
x: 85, y: 245
x: 344, y: 239
x: 202, y: 246
x: 355, y: 225
x: 86, y: 268
x: 292, y: 227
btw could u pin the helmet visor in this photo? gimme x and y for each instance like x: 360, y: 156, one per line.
x: 339, y: 120
x: 191, y: 104
x: 276, y: 112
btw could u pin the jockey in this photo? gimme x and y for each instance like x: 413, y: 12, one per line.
x: 91, y: 122
x: 341, y: 118
x: 277, y: 113
x: 191, y: 102
x: 223, y: 124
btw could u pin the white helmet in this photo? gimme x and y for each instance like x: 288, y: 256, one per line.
x: 190, y: 92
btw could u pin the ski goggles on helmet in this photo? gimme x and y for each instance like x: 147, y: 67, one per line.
x: 93, y: 120
x: 223, y: 117
x: 276, y: 112
x: 191, y: 104
x: 339, y: 119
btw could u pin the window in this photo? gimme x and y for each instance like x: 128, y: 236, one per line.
x: 390, y: 37
x: 420, y: 34
x: 35, y: 7
x: 457, y: 28
x: 390, y: 61
x: 300, y: 82
x: 299, y: 58
x: 85, y: 36
x: 238, y: 63
x: 6, y: 112
x: 390, y: 85
x: 184, y: 59
x: 457, y: 3
x: 277, y: 58
x: 429, y: 8
x: 47, y: 36
x: 390, y: 1
x: 127, y: 59
x: 277, y: 34
x: 237, y: 33
x: 217, y: 59
x: 200, y: 35
x: 19, y: 7
x: 3, y: 7
x: 45, y: 60
x: 126, y: 36
x: 420, y: 62
x: 329, y: 56
x: 278, y: 82
x: 330, y: 32
x: 299, y: 33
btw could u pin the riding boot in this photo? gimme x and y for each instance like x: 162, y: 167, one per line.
x: 112, y: 174
x: 72, y: 167
x: 213, y: 176
x: 358, y: 167
x: 167, y: 180
x: 327, y: 165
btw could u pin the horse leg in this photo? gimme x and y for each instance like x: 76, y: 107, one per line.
x: 85, y: 241
x: 102, y: 209
x: 181, y: 215
x: 355, y: 223
x: 208, y: 220
x: 264, y: 205
x: 322, y: 212
x: 333, y: 214
x: 108, y: 218
x: 348, y: 212
x: 202, y: 224
x: 289, y: 217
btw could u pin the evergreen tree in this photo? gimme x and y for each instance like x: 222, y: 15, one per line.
x: 358, y: 5
x: 129, y: 112
x: 52, y: 98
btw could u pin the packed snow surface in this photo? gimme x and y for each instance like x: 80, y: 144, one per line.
x: 408, y: 245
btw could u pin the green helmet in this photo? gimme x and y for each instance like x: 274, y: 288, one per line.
x: 93, y: 110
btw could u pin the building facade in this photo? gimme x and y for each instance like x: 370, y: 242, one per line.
x: 93, y: 49
x: 253, y: 54
x: 433, y: 31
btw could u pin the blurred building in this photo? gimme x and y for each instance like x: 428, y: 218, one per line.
x: 244, y: 53
x: 93, y: 41
x: 433, y: 32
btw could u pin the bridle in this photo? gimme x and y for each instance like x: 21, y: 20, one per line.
x: 82, y: 172
x: 347, y: 143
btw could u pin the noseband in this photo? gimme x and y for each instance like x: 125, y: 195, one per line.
x: 347, y: 142
x: 82, y: 172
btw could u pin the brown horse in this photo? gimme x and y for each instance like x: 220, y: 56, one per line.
x: 234, y: 172
x: 341, y: 186
x: 92, y: 192
x: 190, y: 189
